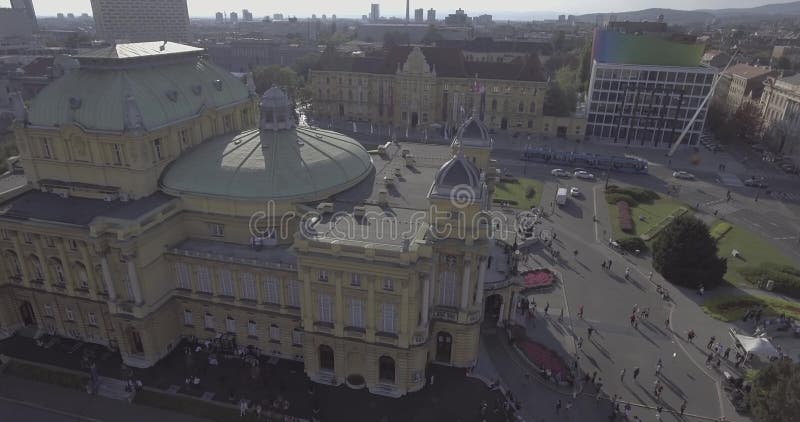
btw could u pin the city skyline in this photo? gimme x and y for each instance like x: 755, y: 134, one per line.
x: 550, y: 8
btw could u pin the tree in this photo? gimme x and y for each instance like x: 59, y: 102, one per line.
x: 773, y: 396
x: 686, y: 254
x: 560, y: 98
x: 746, y: 122
x: 282, y: 77
x: 304, y: 63
x: 585, y: 67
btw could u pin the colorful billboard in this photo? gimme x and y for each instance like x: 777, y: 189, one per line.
x: 614, y: 47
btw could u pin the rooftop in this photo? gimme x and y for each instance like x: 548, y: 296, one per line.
x: 744, y: 70
x: 395, y: 228
x: 140, y: 49
x: 270, y: 256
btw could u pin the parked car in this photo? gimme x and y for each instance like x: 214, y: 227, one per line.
x: 716, y: 147
x: 559, y: 173
x: 757, y: 147
x: 683, y: 175
x: 789, y: 168
x: 573, y: 191
x: 584, y: 175
x: 756, y: 182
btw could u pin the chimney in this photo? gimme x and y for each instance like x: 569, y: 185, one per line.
x: 408, y: 16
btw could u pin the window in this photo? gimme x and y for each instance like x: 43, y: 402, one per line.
x: 388, y: 284
x: 184, y: 135
x: 187, y: 317
x: 230, y: 325
x: 203, y: 280
x: 38, y: 274
x: 116, y: 150
x: 252, y: 329
x: 208, y: 321
x: 325, y: 308
x: 4, y: 234
x: 83, y: 276
x: 58, y: 271
x: 27, y: 238
x: 297, y: 337
x: 520, y: 107
x: 271, y: 291
x: 13, y: 265
x: 73, y: 244
x: 182, y: 270
x: 92, y: 319
x: 157, y: 149
x: 355, y: 313
x: 387, y: 316
x: 447, y: 288
x: 216, y: 229
x: 48, y: 240
x: 225, y: 283
x: 322, y: 275
x: 293, y: 296
x: 48, y: 310
x: 68, y: 314
x: 248, y: 286
x: 274, y: 333
x: 47, y: 152
x: 355, y: 279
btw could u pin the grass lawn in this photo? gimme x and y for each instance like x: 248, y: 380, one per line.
x: 754, y: 251
x: 46, y: 375
x: 198, y: 408
x: 653, y: 214
x: 515, y: 193
x: 732, y: 308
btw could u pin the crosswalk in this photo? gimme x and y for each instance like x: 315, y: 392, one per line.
x: 729, y: 179
x: 785, y: 196
x: 721, y: 206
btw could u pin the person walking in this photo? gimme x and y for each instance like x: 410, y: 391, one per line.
x: 546, y: 307
x: 580, y: 312
x: 561, y: 315
x: 650, y: 276
x: 727, y: 353
x: 659, y: 367
x: 580, y: 343
x: 558, y: 406
x: 683, y: 407
x: 622, y: 375
x: 590, y: 330
x: 635, y: 373
x: 711, y: 342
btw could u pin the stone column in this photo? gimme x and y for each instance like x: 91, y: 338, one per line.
x: 112, y: 293
x: 133, y: 278
x: 426, y: 293
x: 339, y: 321
x: 465, y: 284
x: 481, y: 280
x: 66, y: 267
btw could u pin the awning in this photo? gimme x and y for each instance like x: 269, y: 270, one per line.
x: 758, y: 346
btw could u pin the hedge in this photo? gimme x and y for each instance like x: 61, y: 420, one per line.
x: 638, y: 194
x: 48, y: 376
x: 508, y: 201
x: 720, y: 229
x: 625, y: 218
x: 655, y: 230
x: 632, y: 244
x: 786, y: 278
x: 614, y: 198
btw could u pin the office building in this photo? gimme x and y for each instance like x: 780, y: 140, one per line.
x: 220, y: 18
x: 741, y: 83
x: 27, y: 6
x: 457, y: 19
x: 278, y: 16
x: 374, y: 12
x: 247, y: 16
x: 136, y: 229
x: 431, y: 15
x: 483, y: 20
x: 234, y: 17
x: 645, y: 90
x: 419, y: 15
x: 165, y: 20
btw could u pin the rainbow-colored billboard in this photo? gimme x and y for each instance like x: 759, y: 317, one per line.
x: 614, y: 47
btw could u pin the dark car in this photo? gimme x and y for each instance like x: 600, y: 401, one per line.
x: 756, y: 183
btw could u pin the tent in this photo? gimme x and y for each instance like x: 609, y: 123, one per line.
x: 758, y: 346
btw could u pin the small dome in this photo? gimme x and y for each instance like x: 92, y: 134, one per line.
x: 275, y: 107
x: 458, y: 177
x: 274, y: 98
x: 473, y: 133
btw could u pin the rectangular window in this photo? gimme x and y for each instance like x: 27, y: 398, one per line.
x: 184, y: 135
x: 271, y: 291
x: 116, y: 149
x: 182, y: 271
x: 208, y: 321
x: 27, y: 238
x: 325, y: 308
x: 157, y: 149
x: 388, y: 284
x: 355, y: 279
x: 92, y: 319
x: 230, y: 325
x: 48, y: 310
x: 322, y: 275
x: 248, y: 286
x: 387, y: 318
x: 73, y: 244
x: 216, y: 229
x: 203, y: 280
x: 355, y: 313
x: 297, y: 337
x: 447, y: 289
x: 252, y: 329
x: 48, y: 240
x: 187, y: 317
x: 47, y: 152
x: 293, y: 296
x: 68, y: 314
x: 225, y: 283
x: 4, y: 234
x: 274, y: 333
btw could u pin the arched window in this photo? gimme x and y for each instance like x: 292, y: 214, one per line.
x: 12, y: 264
x: 58, y: 271
x: 82, y: 275
x: 533, y: 107
x: 494, y: 105
x: 520, y: 107
x: 36, y: 266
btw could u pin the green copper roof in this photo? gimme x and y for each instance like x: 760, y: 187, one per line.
x: 136, y: 98
x: 293, y: 164
x: 139, y: 49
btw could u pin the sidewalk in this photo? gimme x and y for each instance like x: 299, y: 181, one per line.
x: 76, y: 405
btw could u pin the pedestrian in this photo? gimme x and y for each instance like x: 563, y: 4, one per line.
x: 569, y: 405
x: 603, y: 265
x: 659, y: 409
x: 709, y: 359
x: 650, y: 276
x: 635, y: 372
x: 594, y: 376
x: 627, y: 272
x: 666, y: 323
x: 546, y: 307
x: 659, y: 366
x: 558, y: 406
x: 431, y: 379
x: 633, y: 318
x: 710, y: 342
x: 609, y: 264
x: 622, y: 375
x: 727, y: 352
x: 590, y: 330
x: 580, y: 312
x: 561, y: 315
x: 242, y: 407
x: 580, y: 342
x: 683, y: 407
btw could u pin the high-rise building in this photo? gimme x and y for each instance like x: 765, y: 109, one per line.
x: 70, y: 16
x: 220, y: 18
x: 419, y: 15
x: 234, y: 17
x: 27, y: 6
x: 278, y: 16
x: 408, y: 10
x: 374, y: 12
x: 165, y: 20
x: 431, y: 15
x: 247, y: 16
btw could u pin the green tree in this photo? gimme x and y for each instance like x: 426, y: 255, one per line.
x: 305, y: 62
x: 685, y: 254
x: 282, y: 77
x: 773, y: 396
x: 556, y: 102
x: 585, y: 67
x: 746, y: 122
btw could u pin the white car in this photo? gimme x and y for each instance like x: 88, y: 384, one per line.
x: 683, y: 175
x: 573, y: 191
x: 559, y: 173
x: 584, y: 175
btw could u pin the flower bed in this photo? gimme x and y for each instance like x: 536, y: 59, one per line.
x: 544, y: 358
x: 535, y: 279
x: 625, y: 219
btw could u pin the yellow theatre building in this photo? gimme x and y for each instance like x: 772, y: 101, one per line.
x: 166, y: 199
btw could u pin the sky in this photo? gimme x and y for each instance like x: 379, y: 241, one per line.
x: 356, y: 8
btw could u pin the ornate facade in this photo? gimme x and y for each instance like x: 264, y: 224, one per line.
x: 160, y: 207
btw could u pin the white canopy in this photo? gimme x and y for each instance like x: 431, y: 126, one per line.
x: 758, y: 346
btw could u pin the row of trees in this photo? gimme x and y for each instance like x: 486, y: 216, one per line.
x: 743, y: 125
x: 571, y: 72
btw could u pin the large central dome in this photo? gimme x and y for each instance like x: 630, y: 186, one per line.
x: 277, y: 161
